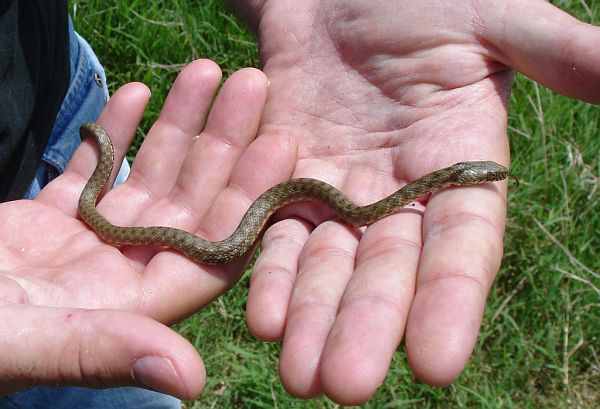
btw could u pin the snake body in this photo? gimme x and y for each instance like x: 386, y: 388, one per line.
x: 257, y: 216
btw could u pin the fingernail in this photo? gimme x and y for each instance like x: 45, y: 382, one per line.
x: 156, y: 372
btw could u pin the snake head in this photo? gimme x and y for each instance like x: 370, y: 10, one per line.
x: 477, y: 172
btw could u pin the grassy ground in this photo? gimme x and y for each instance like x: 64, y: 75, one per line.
x: 539, y: 341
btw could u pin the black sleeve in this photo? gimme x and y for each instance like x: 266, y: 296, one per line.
x: 34, y: 78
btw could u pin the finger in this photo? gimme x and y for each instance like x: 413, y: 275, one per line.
x: 190, y: 287
x: 275, y: 270
x: 95, y: 348
x: 462, y: 232
x: 325, y: 267
x: 120, y: 118
x: 209, y: 162
x: 557, y: 50
x: 373, y: 312
x: 193, y: 171
x: 273, y: 278
x: 220, y: 178
x: 159, y: 160
x: 231, y: 127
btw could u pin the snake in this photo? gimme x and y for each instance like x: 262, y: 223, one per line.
x: 253, y: 223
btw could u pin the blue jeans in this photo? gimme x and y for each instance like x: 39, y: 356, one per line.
x: 84, y: 101
x: 75, y: 398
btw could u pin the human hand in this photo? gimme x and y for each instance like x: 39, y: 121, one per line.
x: 376, y: 94
x: 77, y: 311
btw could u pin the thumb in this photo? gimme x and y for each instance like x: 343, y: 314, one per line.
x: 94, y: 348
x: 548, y: 45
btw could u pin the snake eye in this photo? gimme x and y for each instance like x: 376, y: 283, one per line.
x: 496, y: 172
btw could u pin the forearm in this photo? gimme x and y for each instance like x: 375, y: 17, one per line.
x: 249, y: 11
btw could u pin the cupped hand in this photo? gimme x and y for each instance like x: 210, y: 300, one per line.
x: 77, y: 311
x: 376, y: 94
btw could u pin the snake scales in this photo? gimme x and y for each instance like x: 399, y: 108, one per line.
x: 253, y: 222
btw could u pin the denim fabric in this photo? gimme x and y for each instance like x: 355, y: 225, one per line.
x: 84, y: 398
x: 84, y: 101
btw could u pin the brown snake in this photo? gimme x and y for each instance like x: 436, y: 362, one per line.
x: 257, y: 216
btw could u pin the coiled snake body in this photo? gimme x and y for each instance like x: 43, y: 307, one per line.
x: 255, y: 219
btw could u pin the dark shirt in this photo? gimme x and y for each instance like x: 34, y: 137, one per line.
x: 34, y: 78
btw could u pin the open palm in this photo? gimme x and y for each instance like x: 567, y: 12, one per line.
x: 375, y: 94
x: 88, y: 312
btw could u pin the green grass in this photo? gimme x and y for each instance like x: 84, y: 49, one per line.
x: 539, y: 341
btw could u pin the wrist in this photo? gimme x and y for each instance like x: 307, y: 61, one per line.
x: 249, y: 10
